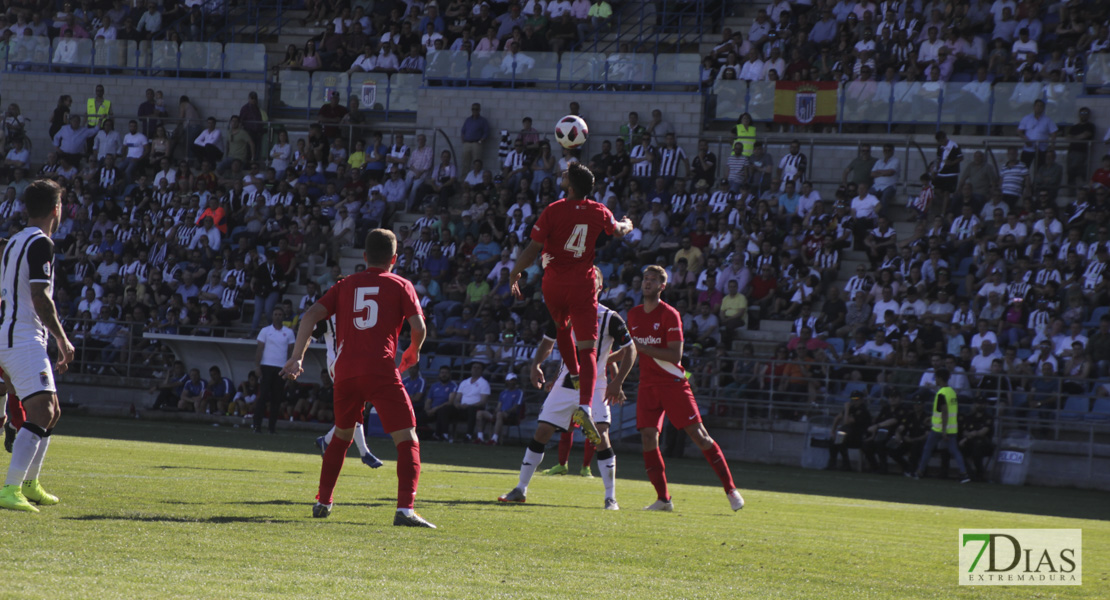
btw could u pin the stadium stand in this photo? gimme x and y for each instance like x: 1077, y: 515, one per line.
x: 359, y: 118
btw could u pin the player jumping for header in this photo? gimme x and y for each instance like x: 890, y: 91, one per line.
x: 656, y: 329
x: 560, y: 404
x: 567, y: 232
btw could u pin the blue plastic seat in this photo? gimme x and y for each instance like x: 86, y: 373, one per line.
x: 1096, y: 314
x: 1075, y: 408
x: 1100, y: 411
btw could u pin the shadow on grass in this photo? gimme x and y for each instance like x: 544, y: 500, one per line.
x: 191, y: 468
x: 750, y: 477
x: 215, y: 520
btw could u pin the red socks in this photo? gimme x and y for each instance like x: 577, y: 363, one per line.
x: 656, y: 471
x: 408, y: 472
x: 587, y: 365
x: 588, y: 449
x: 15, y: 411
x: 565, y: 343
x: 565, y: 442
x: 329, y: 471
x: 716, y: 460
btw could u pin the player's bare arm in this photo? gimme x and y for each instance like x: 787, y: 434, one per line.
x: 623, y: 227
x: 523, y: 261
x: 614, y: 391
x: 44, y: 306
x: 536, y: 371
x: 672, y: 353
x: 293, y: 367
x: 419, y: 332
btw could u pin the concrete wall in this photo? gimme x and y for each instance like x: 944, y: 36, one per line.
x: 37, y: 95
x: 447, y: 108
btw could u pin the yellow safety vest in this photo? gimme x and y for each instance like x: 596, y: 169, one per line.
x: 949, y: 395
x: 97, y: 115
x: 745, y: 135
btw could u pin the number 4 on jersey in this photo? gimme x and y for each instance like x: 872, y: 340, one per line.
x: 576, y: 243
x: 364, y: 302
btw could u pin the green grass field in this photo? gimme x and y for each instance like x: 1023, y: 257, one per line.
x: 167, y: 510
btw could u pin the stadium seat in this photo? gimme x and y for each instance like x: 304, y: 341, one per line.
x: 437, y: 362
x: 1075, y: 408
x: 1096, y: 314
x: 1024, y: 353
x: 1100, y: 411
x: 837, y: 344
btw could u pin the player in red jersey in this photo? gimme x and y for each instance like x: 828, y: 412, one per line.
x: 656, y: 329
x: 369, y: 308
x: 567, y: 232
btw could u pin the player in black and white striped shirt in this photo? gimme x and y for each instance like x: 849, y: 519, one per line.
x: 26, y: 315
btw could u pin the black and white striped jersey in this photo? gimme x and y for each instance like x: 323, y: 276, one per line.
x: 28, y: 258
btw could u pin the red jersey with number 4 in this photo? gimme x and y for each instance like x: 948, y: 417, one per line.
x: 568, y: 230
x: 657, y: 329
x: 369, y: 309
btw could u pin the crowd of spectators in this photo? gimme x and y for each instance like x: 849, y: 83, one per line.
x: 916, y: 44
x: 203, y: 230
x: 410, y: 37
x: 26, y: 25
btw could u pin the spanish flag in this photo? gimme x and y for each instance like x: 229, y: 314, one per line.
x: 805, y: 102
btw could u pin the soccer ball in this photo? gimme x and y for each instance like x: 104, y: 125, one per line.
x: 571, y: 131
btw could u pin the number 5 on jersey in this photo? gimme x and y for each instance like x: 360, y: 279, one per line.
x: 365, y: 302
x: 576, y: 243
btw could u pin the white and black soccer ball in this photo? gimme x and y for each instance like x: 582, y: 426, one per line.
x: 571, y: 131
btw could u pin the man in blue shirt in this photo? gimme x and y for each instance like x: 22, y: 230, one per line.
x: 415, y: 386
x: 487, y: 251
x: 475, y: 132
x: 508, y: 410
x: 221, y: 391
x: 437, y: 404
x: 375, y: 158
x: 193, y: 392
x: 169, y: 391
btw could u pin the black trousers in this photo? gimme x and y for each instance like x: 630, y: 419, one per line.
x: 270, y: 391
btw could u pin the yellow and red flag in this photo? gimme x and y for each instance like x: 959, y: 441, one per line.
x: 805, y: 102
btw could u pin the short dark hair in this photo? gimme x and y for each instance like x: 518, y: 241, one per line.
x: 581, y: 179
x: 381, y: 246
x: 941, y: 374
x: 41, y: 197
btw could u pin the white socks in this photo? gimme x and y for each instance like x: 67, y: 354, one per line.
x: 36, y: 463
x: 608, y: 468
x: 528, y: 468
x: 24, y: 450
x: 360, y: 439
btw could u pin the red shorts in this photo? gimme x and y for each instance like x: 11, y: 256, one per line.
x: 573, y: 301
x: 387, y: 396
x: 675, y: 399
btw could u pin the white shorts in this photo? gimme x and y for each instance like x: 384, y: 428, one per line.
x: 561, y: 403
x: 28, y: 370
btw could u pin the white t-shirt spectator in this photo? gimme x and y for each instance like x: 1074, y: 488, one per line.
x: 471, y: 392
x: 978, y: 339
x: 885, y: 181
x: 864, y: 208
x: 134, y: 143
x: 275, y: 345
x: 881, y: 307
x: 879, y: 351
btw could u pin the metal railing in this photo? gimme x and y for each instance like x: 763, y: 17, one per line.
x: 394, y: 95
x: 570, y: 70
x: 157, y: 58
x: 912, y: 103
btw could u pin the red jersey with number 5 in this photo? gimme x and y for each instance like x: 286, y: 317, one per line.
x: 568, y: 230
x: 369, y: 309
